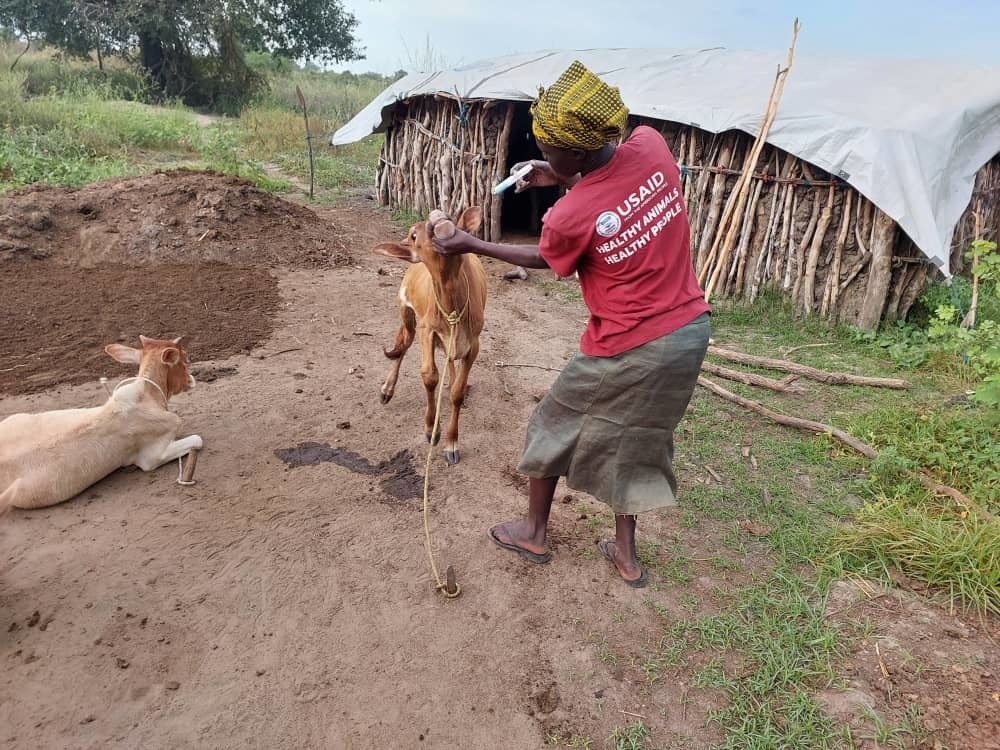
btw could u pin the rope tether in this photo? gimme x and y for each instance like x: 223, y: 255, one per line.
x: 453, y: 318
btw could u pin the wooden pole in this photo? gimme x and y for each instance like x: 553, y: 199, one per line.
x: 970, y: 317
x: 749, y: 165
x: 880, y: 274
x: 808, y: 298
x: 305, y: 116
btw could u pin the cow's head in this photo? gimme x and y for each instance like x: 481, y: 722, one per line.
x: 160, y: 360
x: 418, y: 247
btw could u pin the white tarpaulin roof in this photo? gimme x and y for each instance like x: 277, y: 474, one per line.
x: 908, y: 135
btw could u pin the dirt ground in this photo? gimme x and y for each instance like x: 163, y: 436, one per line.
x: 285, y: 600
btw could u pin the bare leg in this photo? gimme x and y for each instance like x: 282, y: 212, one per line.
x: 621, y: 549
x: 172, y: 452
x: 404, y: 338
x: 530, y: 532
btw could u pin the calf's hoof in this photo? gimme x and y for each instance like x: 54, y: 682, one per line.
x: 432, y: 439
x: 385, y: 398
x: 452, y: 457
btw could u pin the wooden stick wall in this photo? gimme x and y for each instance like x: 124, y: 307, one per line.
x: 440, y: 155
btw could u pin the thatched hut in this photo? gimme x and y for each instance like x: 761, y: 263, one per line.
x: 874, y: 176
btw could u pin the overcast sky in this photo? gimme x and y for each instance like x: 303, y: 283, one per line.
x: 395, y: 33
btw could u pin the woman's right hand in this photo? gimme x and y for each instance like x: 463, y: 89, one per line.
x: 541, y: 175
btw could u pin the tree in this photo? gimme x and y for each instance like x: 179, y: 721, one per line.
x: 177, y: 41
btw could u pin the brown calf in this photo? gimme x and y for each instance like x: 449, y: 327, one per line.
x: 434, y: 283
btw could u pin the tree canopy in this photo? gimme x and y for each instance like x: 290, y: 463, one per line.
x: 182, y: 42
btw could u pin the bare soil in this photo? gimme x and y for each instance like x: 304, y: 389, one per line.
x: 285, y: 600
x: 917, y: 657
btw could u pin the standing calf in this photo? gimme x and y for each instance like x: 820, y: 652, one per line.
x: 51, y: 456
x: 436, y: 283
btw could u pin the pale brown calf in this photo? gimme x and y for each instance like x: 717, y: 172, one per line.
x: 51, y: 456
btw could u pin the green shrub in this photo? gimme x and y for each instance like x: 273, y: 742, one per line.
x: 30, y: 155
x: 938, y: 294
x: 931, y: 538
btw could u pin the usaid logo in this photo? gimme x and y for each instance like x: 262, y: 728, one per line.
x: 608, y: 224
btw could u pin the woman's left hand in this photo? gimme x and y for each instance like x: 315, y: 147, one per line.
x: 458, y: 244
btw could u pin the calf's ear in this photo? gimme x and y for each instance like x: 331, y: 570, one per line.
x: 170, y: 356
x: 397, y: 250
x: 471, y: 219
x: 122, y: 353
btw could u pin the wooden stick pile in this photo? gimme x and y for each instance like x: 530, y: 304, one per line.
x: 809, y: 425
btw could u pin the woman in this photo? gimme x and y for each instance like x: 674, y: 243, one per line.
x: 607, y: 424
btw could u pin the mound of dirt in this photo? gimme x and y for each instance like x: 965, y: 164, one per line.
x: 173, y: 253
x: 180, y: 216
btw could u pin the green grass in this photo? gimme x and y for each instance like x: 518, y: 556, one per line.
x: 28, y: 156
x: 578, y: 742
x: 828, y: 513
x: 69, y: 124
x: 901, y: 525
x: 45, y: 72
x: 269, y: 133
x: 765, y: 643
x: 955, y: 552
x: 952, y: 547
x: 774, y: 629
x: 405, y: 218
x: 635, y: 736
x: 906, y: 733
x: 560, y: 290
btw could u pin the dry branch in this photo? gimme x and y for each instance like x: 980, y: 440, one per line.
x: 822, y: 376
x: 801, y: 424
x: 750, y: 378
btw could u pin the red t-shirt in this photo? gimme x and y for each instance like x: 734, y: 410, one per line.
x: 624, y: 229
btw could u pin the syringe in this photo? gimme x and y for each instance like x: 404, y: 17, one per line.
x: 523, y: 171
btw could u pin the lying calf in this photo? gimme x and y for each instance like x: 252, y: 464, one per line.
x: 49, y: 457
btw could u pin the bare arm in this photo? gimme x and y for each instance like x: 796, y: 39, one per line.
x: 518, y: 255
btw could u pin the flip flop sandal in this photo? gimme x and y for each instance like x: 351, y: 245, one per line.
x: 526, y: 554
x: 638, y: 583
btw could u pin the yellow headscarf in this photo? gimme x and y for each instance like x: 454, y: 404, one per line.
x: 578, y: 111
